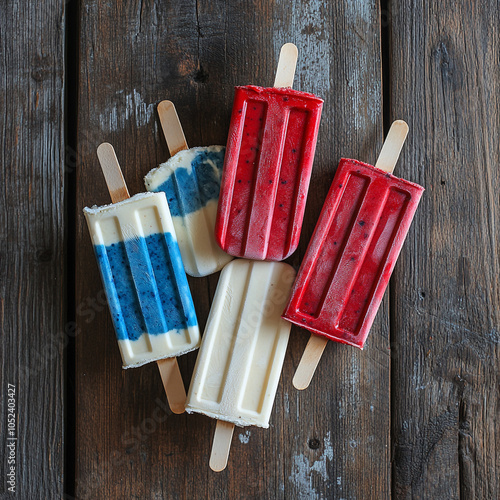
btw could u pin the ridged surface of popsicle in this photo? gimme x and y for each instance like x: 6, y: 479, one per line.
x: 267, y: 168
x: 352, y: 253
x: 145, y: 283
x: 244, y: 344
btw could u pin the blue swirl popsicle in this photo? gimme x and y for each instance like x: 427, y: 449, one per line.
x: 191, y: 181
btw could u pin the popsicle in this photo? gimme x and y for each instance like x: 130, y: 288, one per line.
x: 191, y: 181
x: 352, y: 253
x: 145, y: 284
x: 241, y: 356
x: 267, y: 168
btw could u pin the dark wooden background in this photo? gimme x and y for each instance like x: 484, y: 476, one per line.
x: 414, y: 415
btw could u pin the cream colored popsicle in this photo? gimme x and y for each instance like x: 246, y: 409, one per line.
x: 240, y: 360
x: 191, y: 181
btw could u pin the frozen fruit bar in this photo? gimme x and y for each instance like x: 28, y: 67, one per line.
x: 145, y: 283
x: 352, y: 253
x: 239, y: 364
x: 267, y: 168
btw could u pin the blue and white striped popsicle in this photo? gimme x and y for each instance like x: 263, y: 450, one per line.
x: 144, y: 279
x: 141, y: 268
x: 191, y: 181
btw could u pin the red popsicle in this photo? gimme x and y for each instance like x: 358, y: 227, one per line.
x: 352, y: 253
x: 267, y: 167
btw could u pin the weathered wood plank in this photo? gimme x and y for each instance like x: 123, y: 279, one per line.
x: 338, y: 445
x: 32, y: 335
x: 446, y: 292
x: 329, y: 441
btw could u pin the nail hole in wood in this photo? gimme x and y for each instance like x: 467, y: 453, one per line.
x: 200, y: 76
x: 314, y: 443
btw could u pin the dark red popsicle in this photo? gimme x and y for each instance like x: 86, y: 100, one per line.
x: 352, y: 253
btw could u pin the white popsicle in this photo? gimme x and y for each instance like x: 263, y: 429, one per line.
x: 240, y: 360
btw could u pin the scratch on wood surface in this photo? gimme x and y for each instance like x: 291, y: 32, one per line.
x: 245, y: 438
x: 140, y: 16
x: 287, y: 404
x: 198, y: 27
x: 126, y: 106
x: 491, y: 337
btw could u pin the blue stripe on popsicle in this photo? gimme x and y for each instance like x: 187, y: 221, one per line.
x: 188, y: 191
x: 155, y: 297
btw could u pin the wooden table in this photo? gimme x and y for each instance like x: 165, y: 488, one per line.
x: 414, y: 415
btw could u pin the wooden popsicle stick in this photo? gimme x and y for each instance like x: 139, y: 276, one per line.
x: 392, y: 146
x: 387, y: 160
x: 221, y: 445
x: 173, y: 384
x: 169, y: 368
x: 286, y: 66
x: 309, y: 361
x: 172, y: 128
x: 112, y: 173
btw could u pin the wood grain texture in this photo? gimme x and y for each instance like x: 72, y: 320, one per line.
x: 445, y: 292
x: 32, y: 222
x: 330, y: 441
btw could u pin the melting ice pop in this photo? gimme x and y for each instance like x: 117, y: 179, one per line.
x: 267, y: 168
x: 352, y: 253
x: 191, y: 181
x: 146, y: 287
x: 240, y: 360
